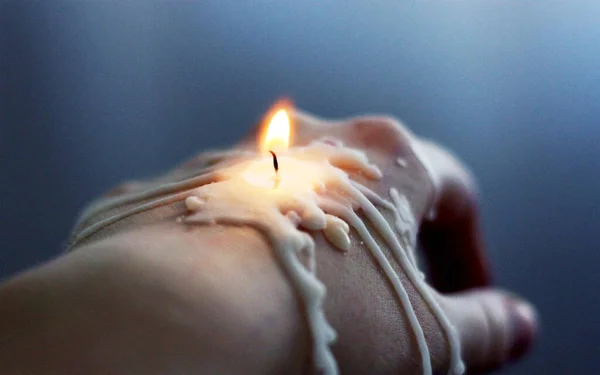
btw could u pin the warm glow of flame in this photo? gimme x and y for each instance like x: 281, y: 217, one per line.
x: 277, y: 131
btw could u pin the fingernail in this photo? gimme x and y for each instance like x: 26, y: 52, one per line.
x: 523, y: 325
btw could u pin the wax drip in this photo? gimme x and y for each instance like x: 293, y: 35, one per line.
x: 403, y: 219
x: 391, y: 274
x: 108, y: 203
x: 104, y: 223
x: 405, y: 225
x: 186, y: 182
x: 182, y: 183
x: 336, y: 232
x: 401, y: 255
x: 286, y: 248
x: 281, y: 228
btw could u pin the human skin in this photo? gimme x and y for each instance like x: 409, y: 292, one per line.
x: 150, y: 295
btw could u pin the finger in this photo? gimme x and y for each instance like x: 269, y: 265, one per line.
x: 494, y: 327
x: 450, y: 236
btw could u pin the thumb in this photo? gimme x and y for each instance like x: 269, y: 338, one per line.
x: 494, y: 326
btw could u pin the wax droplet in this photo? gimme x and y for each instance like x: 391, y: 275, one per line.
x: 193, y: 203
x: 330, y: 334
x: 374, y: 172
x: 401, y: 162
x: 313, y: 219
x: 337, y: 232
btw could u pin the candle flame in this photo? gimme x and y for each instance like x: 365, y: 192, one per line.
x: 278, y: 127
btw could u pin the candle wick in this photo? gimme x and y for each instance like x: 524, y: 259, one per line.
x: 275, y: 163
x: 276, y: 166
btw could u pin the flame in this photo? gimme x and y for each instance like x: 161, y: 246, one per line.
x: 278, y: 127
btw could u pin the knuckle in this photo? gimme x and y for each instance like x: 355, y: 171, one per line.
x: 384, y: 132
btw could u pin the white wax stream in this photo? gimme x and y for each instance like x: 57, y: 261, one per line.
x: 215, y: 198
x: 171, y: 187
x: 405, y: 224
x: 202, y: 177
x: 104, y: 223
x: 401, y: 256
x: 403, y: 218
x: 392, y: 276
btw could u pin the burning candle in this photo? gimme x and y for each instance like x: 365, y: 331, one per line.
x: 286, y: 192
x: 288, y: 171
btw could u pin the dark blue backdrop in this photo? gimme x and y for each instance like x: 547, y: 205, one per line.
x: 94, y: 93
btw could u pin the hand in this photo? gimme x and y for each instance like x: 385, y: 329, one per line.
x: 150, y: 295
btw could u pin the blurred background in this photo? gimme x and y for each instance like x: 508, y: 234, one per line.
x: 93, y: 93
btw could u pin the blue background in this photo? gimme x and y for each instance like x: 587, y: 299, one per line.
x: 93, y: 93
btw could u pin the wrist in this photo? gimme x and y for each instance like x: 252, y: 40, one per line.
x: 154, y: 301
